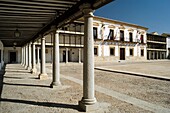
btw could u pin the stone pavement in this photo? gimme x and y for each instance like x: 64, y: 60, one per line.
x: 23, y: 92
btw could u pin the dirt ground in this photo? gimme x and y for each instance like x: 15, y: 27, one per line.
x: 22, y: 92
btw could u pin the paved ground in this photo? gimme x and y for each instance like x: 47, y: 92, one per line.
x: 22, y: 92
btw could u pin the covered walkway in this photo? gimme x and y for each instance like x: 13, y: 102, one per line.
x: 22, y: 23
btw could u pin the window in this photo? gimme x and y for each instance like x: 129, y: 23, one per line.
x: 95, y: 32
x: 131, y: 52
x: 141, y: 38
x: 142, y: 52
x: 121, y: 35
x: 95, y: 51
x: 131, y: 37
x: 112, y: 51
x: 111, y: 34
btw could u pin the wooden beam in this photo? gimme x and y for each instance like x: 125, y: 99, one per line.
x: 32, y: 6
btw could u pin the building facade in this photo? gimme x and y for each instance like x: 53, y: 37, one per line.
x: 168, y: 44
x: 156, y: 46
x: 115, y: 40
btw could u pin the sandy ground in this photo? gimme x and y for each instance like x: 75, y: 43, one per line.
x: 22, y: 92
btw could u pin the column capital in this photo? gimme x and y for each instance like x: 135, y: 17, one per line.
x: 87, y: 10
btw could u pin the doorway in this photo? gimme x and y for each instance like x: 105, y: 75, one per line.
x: 12, y: 57
x: 122, y: 53
x: 64, y: 56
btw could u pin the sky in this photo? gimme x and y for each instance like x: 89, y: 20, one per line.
x: 153, y: 14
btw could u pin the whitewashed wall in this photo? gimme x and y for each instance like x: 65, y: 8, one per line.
x: 7, y: 51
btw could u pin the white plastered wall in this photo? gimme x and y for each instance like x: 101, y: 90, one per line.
x: 7, y: 51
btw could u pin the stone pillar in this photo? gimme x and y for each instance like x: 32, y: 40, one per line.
x: 157, y: 55
x: 149, y: 55
x: 56, y: 60
x: 38, y: 55
x: 23, y: 56
x: 153, y: 55
x: 33, y: 70
x: 43, y: 74
x: 29, y: 57
x: 88, y: 101
x: 79, y: 55
x: 26, y: 56
x: 66, y: 55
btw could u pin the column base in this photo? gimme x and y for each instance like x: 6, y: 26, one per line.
x: 33, y: 71
x: 43, y: 76
x: 88, y: 104
x: 28, y: 68
x: 55, y: 84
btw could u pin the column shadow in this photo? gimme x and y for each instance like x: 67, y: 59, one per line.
x: 32, y: 85
x: 45, y: 104
x: 2, y: 73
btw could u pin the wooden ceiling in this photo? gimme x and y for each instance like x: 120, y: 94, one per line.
x: 35, y: 17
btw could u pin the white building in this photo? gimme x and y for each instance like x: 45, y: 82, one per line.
x: 168, y: 44
x: 113, y: 41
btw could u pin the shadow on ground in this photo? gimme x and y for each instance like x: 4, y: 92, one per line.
x: 29, y: 102
x: 14, y: 84
x: 45, y: 104
x: 2, y: 72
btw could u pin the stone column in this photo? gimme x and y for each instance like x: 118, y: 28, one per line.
x: 157, y: 55
x: 26, y: 56
x: 56, y: 60
x: 153, y: 55
x: 88, y: 101
x: 38, y: 55
x: 29, y: 57
x: 43, y: 74
x: 66, y: 55
x: 160, y: 54
x: 149, y: 55
x: 79, y: 55
x: 23, y: 56
x: 33, y: 70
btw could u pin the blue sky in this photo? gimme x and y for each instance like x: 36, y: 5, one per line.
x: 153, y: 14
